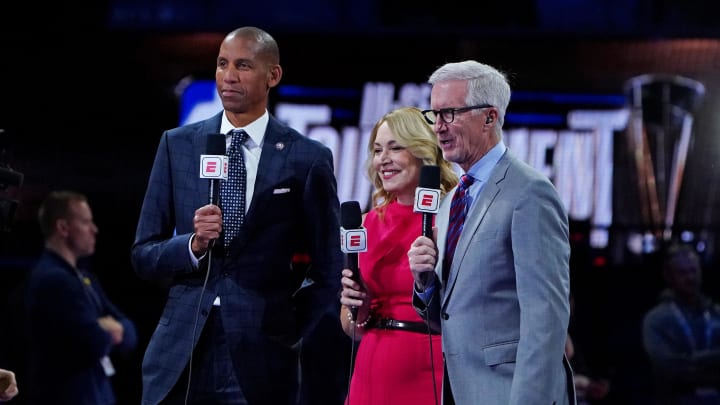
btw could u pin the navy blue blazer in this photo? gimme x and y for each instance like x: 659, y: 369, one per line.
x: 65, y: 341
x: 267, y: 307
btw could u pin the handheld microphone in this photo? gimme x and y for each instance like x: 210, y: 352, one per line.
x: 427, y: 201
x: 353, y: 239
x: 427, y: 197
x: 214, y: 165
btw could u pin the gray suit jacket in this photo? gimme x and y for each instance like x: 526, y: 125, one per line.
x: 505, y: 309
x: 266, y: 309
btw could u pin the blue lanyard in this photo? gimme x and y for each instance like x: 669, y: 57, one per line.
x: 687, y: 329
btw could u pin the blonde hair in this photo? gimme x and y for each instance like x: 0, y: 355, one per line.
x: 415, y: 134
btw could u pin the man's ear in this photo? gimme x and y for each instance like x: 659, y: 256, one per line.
x: 61, y: 226
x: 490, y: 117
x: 274, y: 76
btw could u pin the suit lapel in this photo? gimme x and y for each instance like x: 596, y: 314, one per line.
x: 275, y: 150
x: 475, y: 217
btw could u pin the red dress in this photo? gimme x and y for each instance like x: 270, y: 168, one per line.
x: 394, y: 366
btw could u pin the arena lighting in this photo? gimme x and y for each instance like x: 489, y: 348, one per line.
x: 599, y: 261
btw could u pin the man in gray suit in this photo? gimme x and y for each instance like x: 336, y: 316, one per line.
x: 237, y: 308
x: 501, y: 300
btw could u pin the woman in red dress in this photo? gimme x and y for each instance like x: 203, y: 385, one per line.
x: 399, y: 361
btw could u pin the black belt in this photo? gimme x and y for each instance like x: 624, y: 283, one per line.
x: 409, y: 326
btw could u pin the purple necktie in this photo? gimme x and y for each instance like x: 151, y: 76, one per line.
x: 232, y: 191
x: 458, y: 211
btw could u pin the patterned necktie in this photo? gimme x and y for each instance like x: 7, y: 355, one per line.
x: 458, y: 211
x: 232, y: 191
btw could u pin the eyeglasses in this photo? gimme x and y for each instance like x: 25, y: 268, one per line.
x: 447, y: 115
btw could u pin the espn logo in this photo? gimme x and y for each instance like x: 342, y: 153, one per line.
x: 353, y: 240
x: 427, y: 200
x: 213, y: 167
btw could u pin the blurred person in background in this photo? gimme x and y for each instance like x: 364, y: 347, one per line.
x: 681, y: 334
x: 73, y: 327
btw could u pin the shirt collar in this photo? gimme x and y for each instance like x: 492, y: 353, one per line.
x: 255, y: 129
x: 481, y: 170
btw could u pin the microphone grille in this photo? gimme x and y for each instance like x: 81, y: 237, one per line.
x: 430, y: 177
x: 215, y: 144
x: 350, y: 215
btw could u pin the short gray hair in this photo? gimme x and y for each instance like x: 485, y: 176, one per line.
x: 486, y: 84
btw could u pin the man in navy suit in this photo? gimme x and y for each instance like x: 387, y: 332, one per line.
x: 237, y: 312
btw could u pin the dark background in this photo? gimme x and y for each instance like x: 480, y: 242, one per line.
x: 88, y: 89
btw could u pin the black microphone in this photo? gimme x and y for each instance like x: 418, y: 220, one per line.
x: 427, y: 197
x: 214, y: 165
x: 427, y: 200
x: 353, y: 239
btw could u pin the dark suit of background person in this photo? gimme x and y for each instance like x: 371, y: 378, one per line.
x: 504, y: 309
x: 73, y: 328
x: 265, y: 309
x: 681, y: 334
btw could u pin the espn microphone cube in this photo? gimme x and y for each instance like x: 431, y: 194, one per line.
x: 214, y: 167
x: 353, y: 240
x: 427, y: 200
